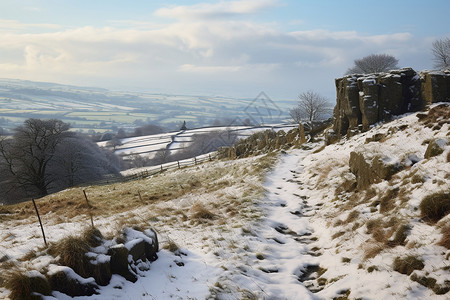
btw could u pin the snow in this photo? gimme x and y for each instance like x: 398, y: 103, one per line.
x: 264, y: 250
x: 53, y: 269
x: 148, y: 145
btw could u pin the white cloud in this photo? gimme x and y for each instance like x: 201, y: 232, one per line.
x: 8, y: 26
x: 222, y: 9
x: 244, y: 56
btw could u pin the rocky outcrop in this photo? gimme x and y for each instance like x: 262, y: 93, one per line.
x: 435, y: 147
x: 363, y: 100
x: 370, y: 169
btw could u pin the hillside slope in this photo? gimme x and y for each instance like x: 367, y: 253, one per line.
x: 343, y: 221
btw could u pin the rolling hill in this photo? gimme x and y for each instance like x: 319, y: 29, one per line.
x: 93, y: 109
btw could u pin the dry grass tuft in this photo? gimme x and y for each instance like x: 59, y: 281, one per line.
x: 171, y: 246
x: 72, y: 252
x: 92, y: 236
x: 352, y: 216
x: 435, y: 206
x: 373, y: 250
x: 400, y: 236
x: 22, y: 286
x: 407, y: 264
x: 388, y: 200
x: 199, y: 212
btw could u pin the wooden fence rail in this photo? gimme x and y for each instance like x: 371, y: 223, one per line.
x: 153, y: 170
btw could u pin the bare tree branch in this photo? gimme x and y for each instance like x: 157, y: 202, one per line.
x: 441, y: 53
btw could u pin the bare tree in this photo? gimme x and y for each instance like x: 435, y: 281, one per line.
x: 43, y: 157
x: 27, y: 155
x: 441, y: 53
x: 311, y: 107
x: 374, y: 63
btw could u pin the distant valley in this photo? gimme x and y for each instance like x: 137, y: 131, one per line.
x: 99, y: 110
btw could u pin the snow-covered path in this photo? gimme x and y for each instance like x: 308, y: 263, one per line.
x: 287, y: 232
x: 279, y: 261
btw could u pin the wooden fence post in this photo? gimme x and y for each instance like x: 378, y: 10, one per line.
x: 39, y: 218
x: 89, y: 207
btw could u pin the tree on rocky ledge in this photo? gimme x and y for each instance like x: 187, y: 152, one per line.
x: 374, y: 63
x: 441, y: 53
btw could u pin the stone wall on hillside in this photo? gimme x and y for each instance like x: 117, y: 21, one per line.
x: 363, y: 100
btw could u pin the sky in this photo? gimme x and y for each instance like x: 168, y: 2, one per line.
x: 228, y: 48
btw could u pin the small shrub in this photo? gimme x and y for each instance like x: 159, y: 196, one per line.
x: 435, y: 206
x: 346, y: 260
x: 22, y: 286
x: 260, y: 256
x: 407, y: 264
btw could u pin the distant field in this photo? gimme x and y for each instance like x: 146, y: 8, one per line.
x: 102, y: 110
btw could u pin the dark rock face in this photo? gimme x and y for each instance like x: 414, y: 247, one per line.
x: 68, y: 282
x: 119, y: 263
x: 363, y: 100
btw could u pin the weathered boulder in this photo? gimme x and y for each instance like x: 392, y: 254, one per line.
x: 371, y: 169
x: 63, y: 279
x: 435, y: 86
x: 436, y: 147
x: 119, y: 262
x: 136, y: 248
x: 100, y: 268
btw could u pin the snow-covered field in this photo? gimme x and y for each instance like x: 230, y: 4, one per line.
x: 150, y: 144
x: 292, y: 232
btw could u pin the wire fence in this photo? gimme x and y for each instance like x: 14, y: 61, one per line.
x: 153, y: 170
